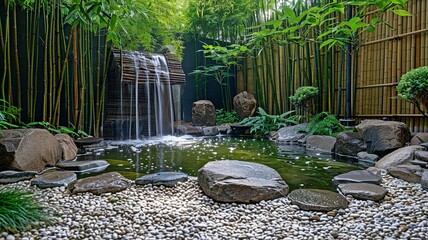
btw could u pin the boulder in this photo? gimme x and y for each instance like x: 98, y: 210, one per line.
x: 410, y: 173
x: 421, y: 155
x: 244, y: 104
x: 383, y: 137
x: 320, y: 143
x: 317, y: 200
x: 290, y: 133
x: 54, y: 179
x: 28, y: 150
x: 69, y: 148
x: 169, y: 179
x: 420, y: 163
x: 349, y: 144
x: 368, y: 157
x: 15, y: 176
x: 400, y: 156
x: 424, y: 180
x: 419, y: 138
x: 363, y: 191
x: 84, y: 166
x: 203, y: 113
x: 210, y: 131
x: 107, y: 182
x: 357, y: 176
x: 188, y: 130
x: 239, y: 181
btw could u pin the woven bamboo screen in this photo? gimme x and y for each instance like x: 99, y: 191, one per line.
x: 384, y: 56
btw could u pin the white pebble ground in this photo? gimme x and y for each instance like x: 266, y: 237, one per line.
x: 184, y: 212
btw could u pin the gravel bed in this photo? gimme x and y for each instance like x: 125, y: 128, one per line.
x: 184, y: 212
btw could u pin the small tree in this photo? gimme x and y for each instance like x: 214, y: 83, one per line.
x: 413, y: 87
x: 304, y: 98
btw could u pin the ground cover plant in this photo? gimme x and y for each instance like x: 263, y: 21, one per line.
x: 222, y: 116
x: 19, y: 210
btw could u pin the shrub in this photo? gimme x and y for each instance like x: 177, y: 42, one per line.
x: 19, y: 210
x: 413, y: 87
x: 222, y: 116
x: 304, y: 97
x: 324, y: 124
x: 264, y: 123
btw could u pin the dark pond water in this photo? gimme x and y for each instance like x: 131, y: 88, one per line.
x: 188, y: 154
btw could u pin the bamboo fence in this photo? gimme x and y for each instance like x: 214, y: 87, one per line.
x: 382, y: 58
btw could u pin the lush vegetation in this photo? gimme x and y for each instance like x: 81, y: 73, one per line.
x: 223, y: 116
x: 304, y: 98
x: 262, y: 124
x: 19, y: 210
x: 324, y: 123
x: 413, y: 87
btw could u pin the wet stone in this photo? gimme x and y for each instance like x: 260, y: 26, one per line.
x: 363, y: 191
x: 15, y: 176
x: 84, y: 166
x: 54, y: 179
x: 317, y: 200
x: 357, y: 176
x: 168, y: 179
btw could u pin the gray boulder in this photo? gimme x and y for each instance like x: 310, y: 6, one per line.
x: 349, y: 144
x: 242, y: 182
x: 84, y: 166
x: 365, y: 156
x: 210, y: 131
x: 424, y: 180
x: 419, y: 138
x: 400, y: 156
x: 188, y: 130
x: 244, y: 104
x: 410, y: 173
x: 421, y: 155
x: 28, y: 150
x: 203, y: 113
x: 320, y: 143
x: 290, y: 133
x: 15, y: 176
x: 69, y: 148
x: 363, y: 191
x: 317, y: 200
x: 108, y: 182
x: 169, y: 179
x: 357, y: 176
x: 54, y: 179
x: 382, y: 137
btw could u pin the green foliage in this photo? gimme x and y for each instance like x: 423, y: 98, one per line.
x: 222, y: 116
x: 71, y: 131
x: 324, y: 124
x: 264, y: 123
x: 303, y: 95
x: 413, y: 87
x: 8, y: 115
x: 19, y: 210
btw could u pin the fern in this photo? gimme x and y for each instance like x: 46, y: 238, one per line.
x: 324, y: 124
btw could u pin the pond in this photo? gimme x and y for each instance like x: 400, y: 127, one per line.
x: 134, y: 159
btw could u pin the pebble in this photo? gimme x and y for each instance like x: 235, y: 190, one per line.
x: 184, y: 212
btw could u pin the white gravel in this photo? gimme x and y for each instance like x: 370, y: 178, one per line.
x: 183, y: 212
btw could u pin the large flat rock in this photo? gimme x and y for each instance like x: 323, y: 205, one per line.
x: 317, y: 200
x: 84, y: 166
x: 54, y: 179
x: 357, y: 176
x: 239, y: 181
x: 400, y: 156
x: 363, y: 191
x: 15, y: 176
x: 168, y: 179
x: 320, y: 143
x: 410, y: 173
x: 103, y: 183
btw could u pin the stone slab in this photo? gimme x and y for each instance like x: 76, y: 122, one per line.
x: 15, y: 176
x: 168, y: 179
x: 357, y: 176
x: 54, y: 179
x: 363, y: 191
x: 317, y: 200
x: 84, y: 166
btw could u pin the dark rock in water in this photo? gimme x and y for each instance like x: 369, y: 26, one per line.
x: 168, y: 179
x: 367, y: 157
x: 357, y: 176
x: 107, y: 182
x: 317, y: 200
x: 421, y: 155
x: 87, y: 141
x: 15, y: 176
x: 188, y: 130
x: 290, y: 133
x: 383, y: 137
x: 349, y: 144
x: 363, y: 191
x: 223, y: 129
x: 244, y: 104
x: 238, y: 130
x: 425, y: 145
x: 54, y: 179
x: 400, y: 156
x: 84, y: 166
x: 210, y: 131
x: 410, y: 173
x: 320, y: 143
x: 239, y: 181
x: 424, y: 180
x: 203, y: 113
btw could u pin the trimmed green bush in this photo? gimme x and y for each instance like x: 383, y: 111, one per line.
x: 413, y: 87
x: 304, y: 98
x: 19, y: 210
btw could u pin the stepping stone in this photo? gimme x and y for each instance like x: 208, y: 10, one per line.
x: 239, y: 181
x: 108, y: 182
x: 357, y: 176
x: 317, y: 200
x: 15, y: 176
x: 410, y: 173
x: 169, y: 179
x: 54, y: 179
x: 419, y: 163
x: 363, y: 191
x: 84, y: 166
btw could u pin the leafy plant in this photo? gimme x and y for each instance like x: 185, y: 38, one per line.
x: 264, y: 123
x: 324, y: 123
x: 413, y: 87
x: 61, y: 129
x: 223, y: 116
x: 304, y: 98
x: 19, y: 210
